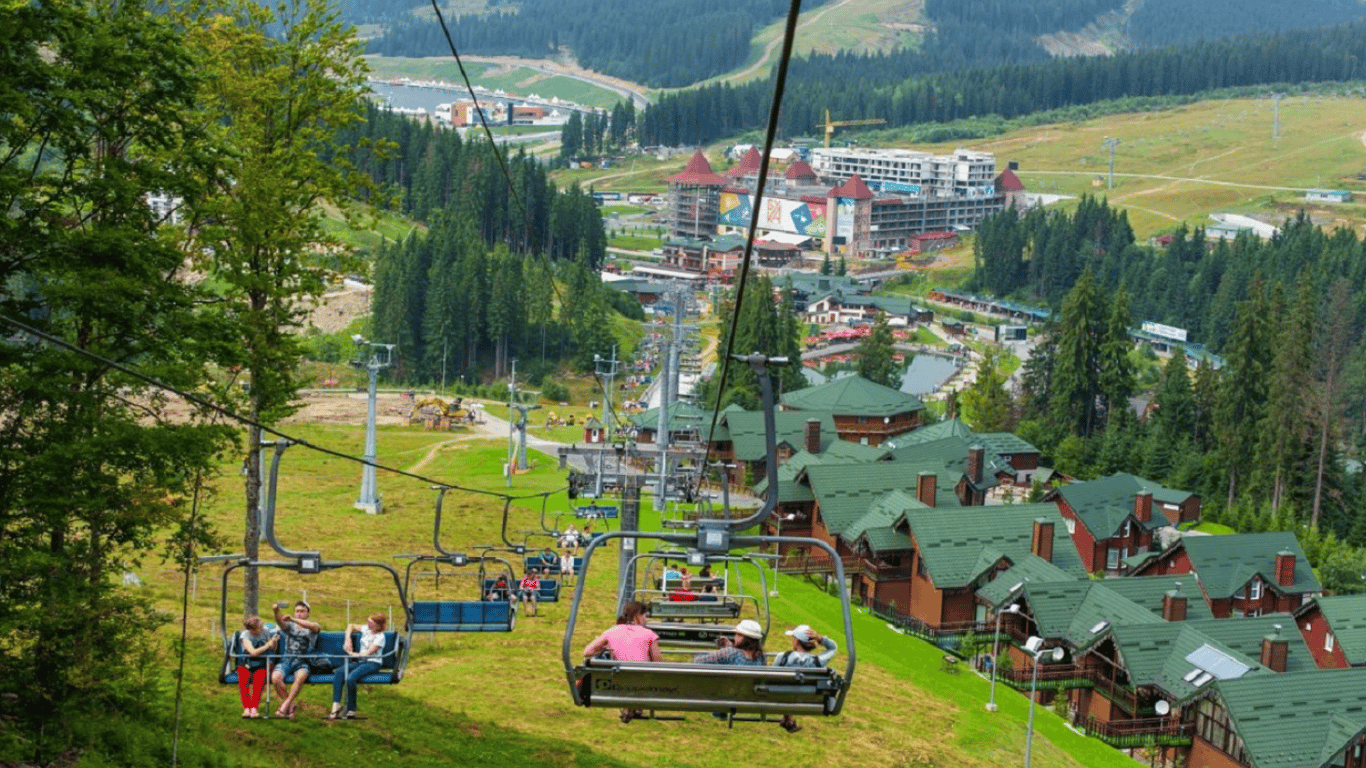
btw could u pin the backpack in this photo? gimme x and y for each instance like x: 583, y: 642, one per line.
x: 785, y: 657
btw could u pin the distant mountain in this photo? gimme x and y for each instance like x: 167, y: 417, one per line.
x: 674, y: 43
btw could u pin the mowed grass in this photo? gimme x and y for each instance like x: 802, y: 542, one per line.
x: 502, y: 698
x: 1220, y: 156
x: 516, y: 80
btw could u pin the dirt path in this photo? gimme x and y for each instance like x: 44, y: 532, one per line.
x: 777, y: 41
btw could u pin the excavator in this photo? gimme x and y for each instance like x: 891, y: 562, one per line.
x: 438, y: 414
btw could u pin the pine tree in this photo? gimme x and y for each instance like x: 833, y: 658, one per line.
x: 1075, y: 394
x: 987, y: 405
x: 876, y: 355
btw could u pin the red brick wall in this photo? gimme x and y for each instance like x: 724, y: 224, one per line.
x: 1202, y: 755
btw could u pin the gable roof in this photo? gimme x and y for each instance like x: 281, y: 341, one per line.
x: 682, y: 417
x: 750, y: 442
x: 1227, y: 563
x: 1148, y: 591
x: 852, y: 396
x: 1080, y: 612
x: 952, y: 452
x: 698, y: 172
x: 960, y: 545
x: 1032, y: 569
x: 1346, y: 617
x: 875, y: 525
x: 1007, y: 181
x: 1102, y: 505
x: 1160, y: 656
x: 1293, y: 720
x: 800, y: 169
x: 1245, y: 635
x: 844, y: 492
x: 749, y: 164
x: 854, y: 188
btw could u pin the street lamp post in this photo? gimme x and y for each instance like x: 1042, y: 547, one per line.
x: 778, y: 550
x: 1034, y: 647
x: 996, y: 641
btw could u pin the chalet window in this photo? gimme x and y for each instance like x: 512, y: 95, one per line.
x: 1211, y: 724
x: 1328, y: 642
x: 920, y: 566
x: 1112, y: 558
x: 1125, y: 532
x: 1071, y: 525
x: 1254, y: 590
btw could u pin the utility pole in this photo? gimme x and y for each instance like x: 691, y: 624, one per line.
x: 380, y: 356
x: 607, y: 369
x: 668, y: 389
x: 512, y: 398
x: 1276, y: 111
x: 1111, y: 143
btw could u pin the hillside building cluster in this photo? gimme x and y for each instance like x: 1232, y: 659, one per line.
x: 1216, y: 651
x: 855, y: 201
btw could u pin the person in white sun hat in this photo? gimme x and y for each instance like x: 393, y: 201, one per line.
x: 804, y: 642
x: 746, y: 649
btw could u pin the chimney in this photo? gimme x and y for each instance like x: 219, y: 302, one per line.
x: 925, y: 488
x: 1285, y: 568
x: 976, y: 458
x: 1041, y: 543
x: 813, y: 435
x: 1174, y: 605
x: 1274, y: 650
x: 1013, y: 165
x: 1143, y: 506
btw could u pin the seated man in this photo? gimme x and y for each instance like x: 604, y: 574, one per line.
x: 671, y: 576
x: 529, y: 589
x: 548, y: 560
x: 300, y: 637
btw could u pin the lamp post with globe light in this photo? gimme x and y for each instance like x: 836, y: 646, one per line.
x: 1034, y: 647
x: 996, y: 641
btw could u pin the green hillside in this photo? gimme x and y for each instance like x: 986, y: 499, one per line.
x: 501, y: 699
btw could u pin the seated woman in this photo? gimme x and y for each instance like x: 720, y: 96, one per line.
x: 628, y: 640
x: 253, y: 665
x: 499, y: 590
x: 363, y: 661
x: 747, y: 648
x: 529, y: 589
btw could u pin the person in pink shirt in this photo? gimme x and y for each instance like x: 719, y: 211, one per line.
x: 628, y: 640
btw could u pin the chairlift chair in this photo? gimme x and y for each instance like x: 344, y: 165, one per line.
x: 740, y: 692
x: 394, y: 656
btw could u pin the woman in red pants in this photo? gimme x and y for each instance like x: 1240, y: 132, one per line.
x: 253, y: 664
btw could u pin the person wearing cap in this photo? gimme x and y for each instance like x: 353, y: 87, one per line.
x: 804, y: 642
x: 747, y: 649
x: 301, y: 636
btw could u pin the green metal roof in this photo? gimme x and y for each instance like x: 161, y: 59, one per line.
x: 1104, y: 504
x: 1005, y: 443
x: 1245, y: 635
x: 1158, y: 655
x: 953, y: 453
x: 1227, y: 563
x: 1080, y: 612
x: 1294, y: 720
x: 880, y: 515
x: 936, y: 431
x: 960, y: 544
x: 844, y: 492
x: 1032, y: 568
x: 1147, y: 591
x: 683, y: 417
x: 852, y: 396
x: 1346, y: 617
x: 886, y: 539
x: 749, y: 440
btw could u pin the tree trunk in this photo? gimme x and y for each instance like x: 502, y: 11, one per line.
x: 251, y: 587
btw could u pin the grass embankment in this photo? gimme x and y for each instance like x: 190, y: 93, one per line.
x: 501, y: 699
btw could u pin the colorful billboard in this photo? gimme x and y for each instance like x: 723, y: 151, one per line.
x: 844, y: 218
x: 793, y: 216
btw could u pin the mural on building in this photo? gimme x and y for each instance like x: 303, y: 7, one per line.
x: 794, y: 216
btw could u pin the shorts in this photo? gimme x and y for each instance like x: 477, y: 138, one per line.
x: 526, y: 594
x: 289, y: 664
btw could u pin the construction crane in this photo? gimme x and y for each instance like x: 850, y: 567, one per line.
x: 830, y: 125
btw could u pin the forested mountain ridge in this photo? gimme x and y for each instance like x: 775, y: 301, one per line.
x: 675, y: 43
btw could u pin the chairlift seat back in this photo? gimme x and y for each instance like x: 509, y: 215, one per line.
x: 464, y: 616
x: 693, y: 609
x: 683, y: 687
